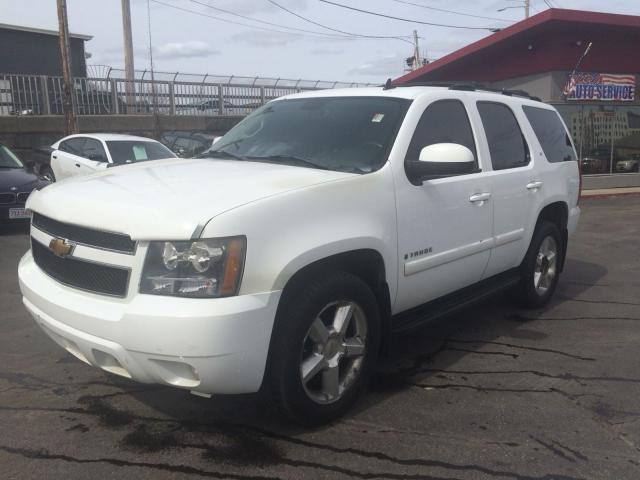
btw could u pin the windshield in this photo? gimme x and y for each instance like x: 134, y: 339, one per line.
x: 351, y: 134
x: 8, y: 159
x: 130, y: 151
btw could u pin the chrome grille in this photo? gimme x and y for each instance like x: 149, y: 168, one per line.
x: 82, y: 274
x: 117, y: 242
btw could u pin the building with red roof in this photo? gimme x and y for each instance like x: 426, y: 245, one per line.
x: 598, y: 101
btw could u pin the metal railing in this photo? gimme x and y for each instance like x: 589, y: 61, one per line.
x: 113, y: 95
x: 106, y: 71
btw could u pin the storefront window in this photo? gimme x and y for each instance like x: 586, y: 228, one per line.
x: 606, y: 137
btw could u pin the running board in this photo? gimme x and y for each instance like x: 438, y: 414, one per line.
x: 407, y: 322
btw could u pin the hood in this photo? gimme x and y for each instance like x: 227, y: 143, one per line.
x: 19, y: 179
x: 168, y: 199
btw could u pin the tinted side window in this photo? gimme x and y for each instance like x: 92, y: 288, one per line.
x: 93, y: 150
x: 551, y: 134
x: 444, y: 121
x: 507, y: 145
x: 73, y: 145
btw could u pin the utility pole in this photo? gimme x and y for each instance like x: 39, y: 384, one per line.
x: 71, y: 125
x: 527, y: 4
x: 417, y: 61
x: 128, y: 52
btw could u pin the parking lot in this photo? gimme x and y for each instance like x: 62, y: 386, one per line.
x: 493, y: 392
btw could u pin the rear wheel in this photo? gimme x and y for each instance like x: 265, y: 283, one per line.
x: 540, y: 269
x: 324, y: 347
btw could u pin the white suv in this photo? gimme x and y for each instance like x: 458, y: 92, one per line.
x: 309, y: 233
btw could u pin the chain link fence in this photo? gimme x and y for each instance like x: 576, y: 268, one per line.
x: 107, y: 92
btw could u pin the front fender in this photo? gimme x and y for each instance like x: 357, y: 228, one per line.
x: 289, y: 231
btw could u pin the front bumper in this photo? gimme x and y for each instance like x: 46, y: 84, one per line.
x: 205, y: 345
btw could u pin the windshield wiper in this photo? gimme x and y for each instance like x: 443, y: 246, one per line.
x: 288, y: 159
x: 220, y: 154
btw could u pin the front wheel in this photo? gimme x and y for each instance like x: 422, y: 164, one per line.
x: 324, y: 347
x: 540, y: 269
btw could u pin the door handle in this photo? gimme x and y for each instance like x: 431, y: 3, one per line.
x: 479, y: 197
x: 534, y: 185
x: 54, y: 156
x: 78, y: 165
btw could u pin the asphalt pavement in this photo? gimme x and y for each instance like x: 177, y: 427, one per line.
x: 493, y: 392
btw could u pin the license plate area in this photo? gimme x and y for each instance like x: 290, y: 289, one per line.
x: 17, y: 213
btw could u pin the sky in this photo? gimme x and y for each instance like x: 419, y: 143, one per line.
x: 197, y: 43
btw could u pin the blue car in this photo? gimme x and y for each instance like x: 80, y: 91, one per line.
x: 16, y: 184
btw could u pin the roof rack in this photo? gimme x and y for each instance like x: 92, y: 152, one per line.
x: 470, y: 87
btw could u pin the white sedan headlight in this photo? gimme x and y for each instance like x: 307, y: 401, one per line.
x: 205, y: 268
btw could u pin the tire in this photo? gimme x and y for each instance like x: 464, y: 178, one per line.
x: 540, y: 269
x: 48, y: 174
x: 338, y: 361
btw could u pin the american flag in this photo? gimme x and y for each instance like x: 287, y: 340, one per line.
x: 583, y: 78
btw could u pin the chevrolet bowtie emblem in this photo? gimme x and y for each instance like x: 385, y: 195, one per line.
x: 60, y: 247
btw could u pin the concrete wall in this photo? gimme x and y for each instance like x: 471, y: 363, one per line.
x: 540, y: 85
x: 621, y: 180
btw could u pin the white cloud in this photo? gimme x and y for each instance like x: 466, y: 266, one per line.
x: 264, y: 39
x: 326, y: 51
x: 189, y: 49
x: 385, y: 66
x: 247, y: 7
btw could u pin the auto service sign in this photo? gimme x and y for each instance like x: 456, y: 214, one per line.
x: 600, y: 86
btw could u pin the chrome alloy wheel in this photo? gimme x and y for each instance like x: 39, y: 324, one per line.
x: 333, y: 351
x: 545, y: 268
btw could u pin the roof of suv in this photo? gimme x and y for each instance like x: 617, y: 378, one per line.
x: 412, y: 92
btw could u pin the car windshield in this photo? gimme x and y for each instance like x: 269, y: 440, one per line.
x: 8, y: 159
x: 130, y: 151
x: 351, y: 134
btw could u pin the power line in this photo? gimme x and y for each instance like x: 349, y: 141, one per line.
x: 453, y: 11
x: 406, y: 19
x: 226, y: 20
x: 330, y: 28
x: 229, y: 12
x: 307, y: 33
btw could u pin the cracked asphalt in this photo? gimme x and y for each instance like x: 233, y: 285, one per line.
x: 491, y: 393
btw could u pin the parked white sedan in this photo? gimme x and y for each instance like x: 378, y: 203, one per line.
x: 84, y: 154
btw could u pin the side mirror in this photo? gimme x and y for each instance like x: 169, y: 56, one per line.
x: 441, y: 160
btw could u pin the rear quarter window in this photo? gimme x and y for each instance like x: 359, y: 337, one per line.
x: 551, y: 134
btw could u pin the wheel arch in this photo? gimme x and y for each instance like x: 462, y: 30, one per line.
x: 556, y: 212
x: 366, y: 263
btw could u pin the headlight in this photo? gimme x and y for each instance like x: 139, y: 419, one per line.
x: 204, y: 268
